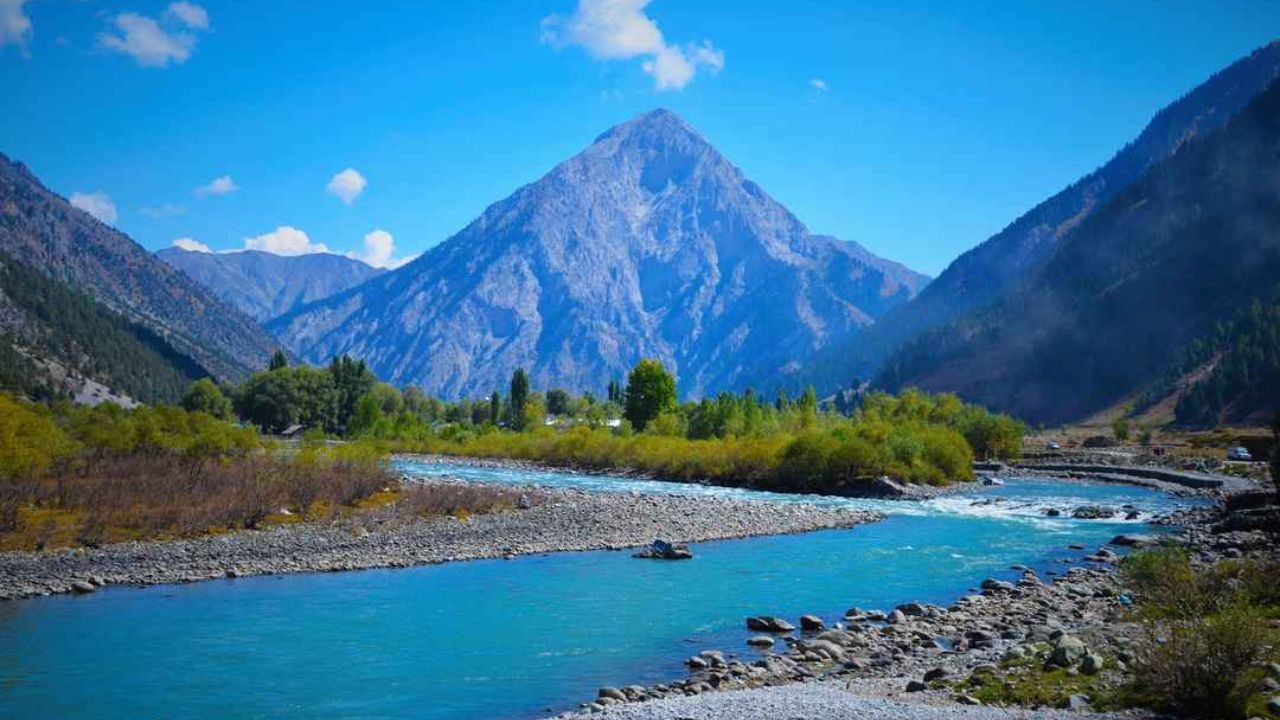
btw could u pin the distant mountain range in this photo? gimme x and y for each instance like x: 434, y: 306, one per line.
x: 985, y: 273
x: 265, y: 285
x: 43, y: 231
x: 1194, y: 239
x: 649, y: 243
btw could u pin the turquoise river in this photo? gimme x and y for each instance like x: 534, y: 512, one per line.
x: 511, y: 638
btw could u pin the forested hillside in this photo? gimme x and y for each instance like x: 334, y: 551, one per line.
x: 1183, y: 248
x: 43, y: 230
x: 42, y: 320
x: 981, y: 275
x: 1231, y: 375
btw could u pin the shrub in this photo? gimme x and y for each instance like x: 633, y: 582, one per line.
x: 1205, y: 666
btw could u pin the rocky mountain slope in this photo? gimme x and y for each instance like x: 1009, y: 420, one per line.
x: 265, y: 285
x: 984, y: 273
x: 42, y: 230
x: 647, y: 244
x: 1187, y: 245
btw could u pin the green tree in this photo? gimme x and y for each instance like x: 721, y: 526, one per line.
x: 495, y: 408
x: 278, y: 360
x: 205, y: 396
x: 351, y: 380
x: 651, y: 390
x: 367, y: 415
x: 557, y: 401
x: 1120, y: 426
x: 519, y: 398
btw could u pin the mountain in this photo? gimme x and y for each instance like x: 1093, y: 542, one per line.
x: 42, y: 230
x: 56, y: 341
x: 1194, y: 240
x: 983, y: 274
x: 649, y: 243
x: 265, y: 285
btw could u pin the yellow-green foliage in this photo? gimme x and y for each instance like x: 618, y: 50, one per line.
x: 30, y: 441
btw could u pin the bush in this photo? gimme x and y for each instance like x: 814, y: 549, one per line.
x: 1204, y: 667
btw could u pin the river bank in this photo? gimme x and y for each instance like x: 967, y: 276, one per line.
x: 566, y: 520
x: 870, y: 488
x: 974, y: 652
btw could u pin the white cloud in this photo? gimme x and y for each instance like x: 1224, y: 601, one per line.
x: 347, y: 185
x: 191, y: 245
x: 217, y: 186
x: 97, y: 204
x: 380, y: 251
x: 820, y: 85
x: 189, y: 14
x: 156, y: 42
x: 620, y: 30
x: 156, y: 212
x: 15, y: 26
x: 285, y: 240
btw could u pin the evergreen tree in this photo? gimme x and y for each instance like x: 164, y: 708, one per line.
x: 278, y: 360
x: 495, y: 407
x: 519, y: 398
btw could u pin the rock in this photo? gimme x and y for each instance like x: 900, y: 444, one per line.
x: 768, y: 623
x: 810, y: 622
x: 1053, y: 512
x: 1273, y: 669
x: 936, y: 674
x: 1067, y: 651
x: 524, y: 503
x: 1091, y: 664
x: 697, y: 663
x: 915, y: 609
x: 760, y: 641
x: 1273, y: 706
x: 967, y: 700
x: 610, y: 693
x: 232, y: 573
x: 98, y: 580
x: 1132, y: 540
x: 663, y: 550
x: 916, y: 686
x: 897, y: 617
x: 1078, y: 702
x: 82, y: 587
x: 994, y: 585
x: 1092, y: 512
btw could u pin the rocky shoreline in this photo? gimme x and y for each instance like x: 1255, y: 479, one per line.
x: 567, y: 520
x: 918, y: 657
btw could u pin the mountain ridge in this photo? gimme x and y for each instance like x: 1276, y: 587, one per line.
x: 41, y: 229
x: 981, y: 274
x: 645, y: 244
x: 264, y: 285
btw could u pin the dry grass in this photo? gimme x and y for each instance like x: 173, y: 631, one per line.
x: 163, y: 496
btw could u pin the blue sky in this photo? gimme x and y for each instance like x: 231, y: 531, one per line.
x: 917, y: 129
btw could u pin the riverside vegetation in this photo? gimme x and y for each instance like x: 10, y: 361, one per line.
x: 80, y: 476
x: 793, y: 444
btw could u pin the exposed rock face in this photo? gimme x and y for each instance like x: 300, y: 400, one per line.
x: 43, y: 230
x: 647, y: 244
x: 984, y: 273
x: 265, y: 285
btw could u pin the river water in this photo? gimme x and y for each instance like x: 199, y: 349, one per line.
x: 511, y: 638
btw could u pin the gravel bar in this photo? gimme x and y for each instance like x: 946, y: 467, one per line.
x: 809, y: 702
x: 568, y: 520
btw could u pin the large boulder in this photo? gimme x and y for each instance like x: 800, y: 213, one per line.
x: 1067, y: 651
x: 768, y: 623
x: 663, y: 550
x: 810, y: 622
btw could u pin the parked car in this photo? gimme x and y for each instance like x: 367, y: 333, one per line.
x: 1239, y: 453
